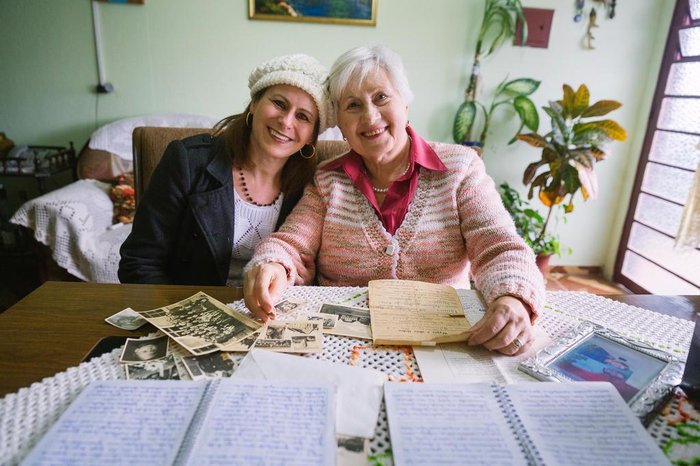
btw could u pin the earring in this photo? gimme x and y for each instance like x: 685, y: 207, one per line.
x: 247, y: 119
x: 301, y: 152
x: 408, y: 123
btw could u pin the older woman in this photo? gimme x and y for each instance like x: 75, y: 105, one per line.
x: 396, y: 206
x: 212, y: 199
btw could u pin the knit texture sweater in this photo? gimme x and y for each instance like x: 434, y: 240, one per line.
x: 456, y: 224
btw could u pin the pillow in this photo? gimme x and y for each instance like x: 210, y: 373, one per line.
x: 123, y: 197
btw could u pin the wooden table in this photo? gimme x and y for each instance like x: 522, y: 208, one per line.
x: 55, y: 326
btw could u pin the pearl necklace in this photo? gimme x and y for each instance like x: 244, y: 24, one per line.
x: 249, y: 198
x: 385, y: 190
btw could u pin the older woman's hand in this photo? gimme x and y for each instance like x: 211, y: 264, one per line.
x: 505, y: 327
x: 262, y: 288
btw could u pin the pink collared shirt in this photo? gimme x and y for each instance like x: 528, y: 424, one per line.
x: 396, y: 201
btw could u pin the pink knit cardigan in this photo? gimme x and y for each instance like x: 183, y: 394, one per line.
x: 455, y: 223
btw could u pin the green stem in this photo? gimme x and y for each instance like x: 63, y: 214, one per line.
x: 546, y: 222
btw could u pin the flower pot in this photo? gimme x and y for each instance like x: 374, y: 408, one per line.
x: 542, y: 261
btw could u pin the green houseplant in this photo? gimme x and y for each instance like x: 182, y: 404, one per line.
x: 498, y: 25
x: 528, y: 222
x: 570, y: 150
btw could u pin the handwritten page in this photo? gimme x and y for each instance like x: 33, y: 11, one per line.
x: 253, y: 422
x: 588, y: 422
x: 415, y: 313
x: 459, y: 363
x: 121, y: 423
x: 448, y: 424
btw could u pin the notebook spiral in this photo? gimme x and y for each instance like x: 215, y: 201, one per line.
x: 526, y: 444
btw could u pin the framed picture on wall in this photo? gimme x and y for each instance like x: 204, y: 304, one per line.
x: 138, y: 2
x: 358, y: 12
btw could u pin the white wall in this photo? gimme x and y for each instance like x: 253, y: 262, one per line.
x: 195, y: 56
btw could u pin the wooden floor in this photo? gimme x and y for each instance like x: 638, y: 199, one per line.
x: 589, y: 279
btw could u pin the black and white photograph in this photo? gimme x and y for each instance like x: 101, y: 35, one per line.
x: 328, y: 321
x: 352, y: 321
x: 147, y: 349
x: 286, y: 307
x: 201, y: 324
x: 215, y: 365
x: 274, y: 344
x: 157, y: 369
x: 126, y: 319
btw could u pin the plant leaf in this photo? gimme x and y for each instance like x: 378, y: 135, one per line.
x: 600, y: 108
x: 588, y: 180
x: 580, y: 102
x: 530, y: 171
x: 568, y: 100
x: 521, y: 86
x: 464, y: 119
x: 570, y: 180
x: 534, y: 139
x: 527, y: 111
x: 610, y: 128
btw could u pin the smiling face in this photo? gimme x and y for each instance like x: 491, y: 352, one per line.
x: 284, y: 121
x: 373, y: 117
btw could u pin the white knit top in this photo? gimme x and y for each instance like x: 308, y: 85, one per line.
x: 252, y: 224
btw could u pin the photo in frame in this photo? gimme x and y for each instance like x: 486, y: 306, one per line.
x: 356, y: 12
x: 643, y: 375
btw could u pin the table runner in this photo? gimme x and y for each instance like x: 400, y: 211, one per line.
x: 27, y: 414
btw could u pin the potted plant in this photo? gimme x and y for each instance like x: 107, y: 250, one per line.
x: 570, y: 150
x: 498, y: 25
x: 530, y: 225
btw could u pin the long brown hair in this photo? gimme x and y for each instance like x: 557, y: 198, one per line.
x: 235, y: 133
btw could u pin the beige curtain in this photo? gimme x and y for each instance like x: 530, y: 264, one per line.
x: 688, y: 236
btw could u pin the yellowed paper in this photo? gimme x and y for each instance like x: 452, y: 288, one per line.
x: 405, y: 312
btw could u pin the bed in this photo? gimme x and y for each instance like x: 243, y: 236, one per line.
x: 77, y: 222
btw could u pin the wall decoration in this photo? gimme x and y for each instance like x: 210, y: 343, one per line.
x: 137, y: 2
x: 357, y: 12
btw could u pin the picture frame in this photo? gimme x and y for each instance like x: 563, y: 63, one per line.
x: 354, y: 12
x: 643, y: 375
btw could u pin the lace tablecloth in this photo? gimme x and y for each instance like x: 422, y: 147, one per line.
x: 26, y: 415
x: 75, y: 222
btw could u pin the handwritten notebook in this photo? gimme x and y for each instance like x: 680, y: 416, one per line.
x: 224, y: 421
x: 529, y: 423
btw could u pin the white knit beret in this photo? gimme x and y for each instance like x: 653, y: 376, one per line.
x: 297, y: 70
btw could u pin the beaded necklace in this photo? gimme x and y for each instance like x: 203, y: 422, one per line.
x: 249, y: 198
x: 384, y: 190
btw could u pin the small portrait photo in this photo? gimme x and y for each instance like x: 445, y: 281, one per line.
x: 275, y: 331
x: 215, y: 365
x: 597, y: 358
x: 126, y: 319
x: 157, y: 369
x: 140, y: 350
x: 288, y: 305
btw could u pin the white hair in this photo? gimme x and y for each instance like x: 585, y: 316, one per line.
x: 355, y: 64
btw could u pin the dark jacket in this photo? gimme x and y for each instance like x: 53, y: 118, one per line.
x: 183, y: 227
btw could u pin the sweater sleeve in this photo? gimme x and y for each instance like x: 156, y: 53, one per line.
x: 145, y: 253
x: 502, y: 263
x: 299, y: 234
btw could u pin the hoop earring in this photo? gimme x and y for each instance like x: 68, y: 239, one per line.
x: 247, y: 119
x: 301, y: 152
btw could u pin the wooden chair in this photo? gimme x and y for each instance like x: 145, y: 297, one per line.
x: 149, y: 143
